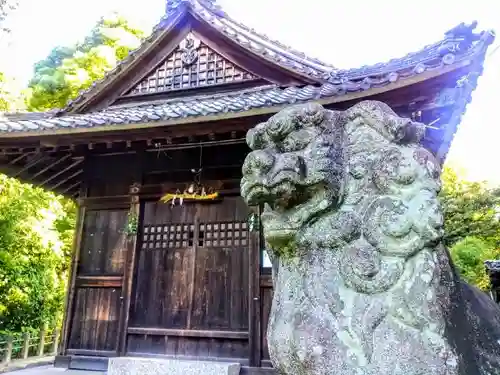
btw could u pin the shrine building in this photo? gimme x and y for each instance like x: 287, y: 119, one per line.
x: 493, y: 271
x: 186, y: 276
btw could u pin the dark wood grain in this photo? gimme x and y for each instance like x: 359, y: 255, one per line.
x: 95, y: 320
x: 134, y: 211
x: 209, y: 69
x: 266, y: 298
x: 70, y: 296
x: 103, y: 243
x: 201, y: 348
x: 254, y: 316
x: 99, y: 281
x: 191, y: 273
x: 238, y: 335
x: 192, y: 279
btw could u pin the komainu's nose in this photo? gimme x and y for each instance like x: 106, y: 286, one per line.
x: 258, y: 162
x: 291, y: 162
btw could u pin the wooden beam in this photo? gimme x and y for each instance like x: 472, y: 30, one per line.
x: 91, y: 353
x: 254, y: 303
x: 197, y: 145
x: 68, y: 189
x: 235, y: 335
x: 65, y: 157
x: 53, y: 187
x: 187, y: 169
x: 192, y: 269
x: 15, y: 160
x: 106, y: 202
x: 99, y: 281
x: 132, y: 241
x: 72, y: 165
x: 30, y: 165
x: 70, y: 295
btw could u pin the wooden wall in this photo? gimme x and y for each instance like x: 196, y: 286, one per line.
x: 192, y: 281
x: 98, y: 283
x: 266, y: 298
x: 190, y: 284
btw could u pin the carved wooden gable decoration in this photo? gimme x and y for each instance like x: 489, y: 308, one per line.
x: 192, y: 64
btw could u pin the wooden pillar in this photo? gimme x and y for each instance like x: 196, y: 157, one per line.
x: 133, y: 228
x: 254, y: 316
x: 70, y: 295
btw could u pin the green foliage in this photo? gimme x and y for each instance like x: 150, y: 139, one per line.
x: 11, y: 96
x: 68, y: 70
x: 132, y: 224
x: 470, y: 209
x: 34, y: 248
x: 469, y: 255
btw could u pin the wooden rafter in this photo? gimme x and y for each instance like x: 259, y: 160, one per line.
x: 71, y: 166
x: 78, y: 172
x: 70, y: 188
x: 31, y: 165
x: 50, y: 166
x: 19, y: 158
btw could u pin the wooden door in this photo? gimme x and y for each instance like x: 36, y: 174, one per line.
x: 192, y: 288
x: 95, y: 314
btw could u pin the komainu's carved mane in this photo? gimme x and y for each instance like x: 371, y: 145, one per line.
x: 353, y: 226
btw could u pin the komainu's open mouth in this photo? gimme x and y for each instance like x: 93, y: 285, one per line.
x: 280, y: 197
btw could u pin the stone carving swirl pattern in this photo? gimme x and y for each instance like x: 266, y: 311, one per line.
x: 362, y: 284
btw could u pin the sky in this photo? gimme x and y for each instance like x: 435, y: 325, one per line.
x: 347, y: 34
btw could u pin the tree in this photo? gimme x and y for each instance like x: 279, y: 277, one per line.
x: 33, y: 255
x: 469, y: 255
x: 470, y: 209
x: 69, y: 70
x: 11, y: 95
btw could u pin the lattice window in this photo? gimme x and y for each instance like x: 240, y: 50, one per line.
x: 166, y: 236
x: 175, y: 236
x: 192, y: 64
x: 223, y: 234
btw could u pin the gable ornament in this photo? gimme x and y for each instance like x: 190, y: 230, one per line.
x: 189, y: 50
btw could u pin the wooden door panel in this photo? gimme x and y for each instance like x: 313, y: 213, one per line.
x: 199, y: 348
x: 221, y: 289
x: 95, y: 320
x: 103, y: 248
x: 160, y: 213
x: 161, y: 294
x: 266, y: 299
x: 98, y: 284
x: 192, y: 281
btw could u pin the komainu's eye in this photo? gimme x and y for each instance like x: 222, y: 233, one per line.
x: 296, y: 141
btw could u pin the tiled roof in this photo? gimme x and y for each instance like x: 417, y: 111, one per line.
x: 210, y: 13
x: 460, y: 46
x: 492, y: 265
x: 460, y: 42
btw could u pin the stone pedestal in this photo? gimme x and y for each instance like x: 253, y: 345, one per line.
x: 157, y: 366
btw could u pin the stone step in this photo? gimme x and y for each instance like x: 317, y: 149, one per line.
x: 160, y: 366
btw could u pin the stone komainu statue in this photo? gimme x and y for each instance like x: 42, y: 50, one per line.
x: 353, y: 227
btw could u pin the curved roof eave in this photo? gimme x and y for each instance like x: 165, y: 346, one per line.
x: 457, y: 41
x: 209, y: 13
x: 249, y: 102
